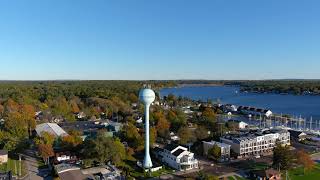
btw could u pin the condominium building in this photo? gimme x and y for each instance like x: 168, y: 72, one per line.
x: 177, y: 157
x: 257, y: 143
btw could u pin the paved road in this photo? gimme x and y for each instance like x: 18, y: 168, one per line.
x: 32, y: 167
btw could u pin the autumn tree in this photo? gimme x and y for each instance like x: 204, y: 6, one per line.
x: 72, y: 140
x: 74, y: 107
x: 132, y: 136
x: 163, y: 126
x: 28, y: 114
x: 11, y: 106
x: 47, y: 138
x: 305, y: 160
x: 177, y: 119
x: 133, y: 98
x: 209, y: 117
x: 201, y: 133
x: 45, y: 151
x: 153, y: 135
x: 1, y: 110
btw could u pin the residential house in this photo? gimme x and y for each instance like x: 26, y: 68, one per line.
x: 65, y: 157
x: 177, y: 157
x: 81, y: 115
x: 3, y: 156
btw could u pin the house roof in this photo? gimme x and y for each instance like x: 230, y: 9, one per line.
x: 51, y: 128
x: 170, y: 147
x: 3, y: 152
x: 178, y: 152
x: 296, y: 134
x: 73, y: 175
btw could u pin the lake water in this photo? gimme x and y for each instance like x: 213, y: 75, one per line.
x: 306, y: 106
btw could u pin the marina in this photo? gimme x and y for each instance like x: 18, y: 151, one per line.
x: 289, y: 111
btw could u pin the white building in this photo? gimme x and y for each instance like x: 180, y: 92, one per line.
x: 255, y: 111
x: 177, y: 157
x: 240, y: 124
x: 256, y: 144
x: 224, y: 149
x: 229, y: 108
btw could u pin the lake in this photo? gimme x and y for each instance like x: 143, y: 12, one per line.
x: 306, y: 106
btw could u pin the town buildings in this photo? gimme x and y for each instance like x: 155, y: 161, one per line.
x: 239, y: 124
x: 177, y: 157
x: 224, y: 149
x: 297, y: 136
x: 256, y: 143
x: 255, y: 111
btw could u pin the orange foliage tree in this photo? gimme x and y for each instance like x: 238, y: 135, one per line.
x: 305, y: 160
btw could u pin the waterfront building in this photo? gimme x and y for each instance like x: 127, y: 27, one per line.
x: 297, y: 135
x: 224, y: 149
x: 258, y: 143
x: 177, y: 157
x: 229, y: 108
x: 239, y: 124
x: 255, y: 111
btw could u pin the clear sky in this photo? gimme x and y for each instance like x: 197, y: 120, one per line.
x: 159, y: 39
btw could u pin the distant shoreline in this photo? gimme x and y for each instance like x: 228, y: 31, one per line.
x: 198, y: 85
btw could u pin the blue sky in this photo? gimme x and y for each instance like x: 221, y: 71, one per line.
x: 167, y: 39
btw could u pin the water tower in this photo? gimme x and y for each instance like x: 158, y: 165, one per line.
x: 147, y: 96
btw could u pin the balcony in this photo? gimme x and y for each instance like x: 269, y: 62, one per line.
x: 193, y: 161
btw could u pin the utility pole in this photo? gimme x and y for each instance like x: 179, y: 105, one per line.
x: 20, y: 164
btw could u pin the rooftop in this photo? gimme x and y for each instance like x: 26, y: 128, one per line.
x: 218, y: 144
x: 51, y: 128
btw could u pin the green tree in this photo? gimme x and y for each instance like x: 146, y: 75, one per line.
x: 214, y: 152
x: 185, y: 135
x: 104, y: 149
x: 177, y: 119
x: 282, y: 157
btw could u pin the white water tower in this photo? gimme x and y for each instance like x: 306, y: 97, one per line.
x: 147, y: 96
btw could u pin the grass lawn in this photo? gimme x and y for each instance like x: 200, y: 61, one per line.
x: 259, y: 166
x: 236, y: 178
x: 14, y: 166
x: 139, y: 173
x: 297, y: 174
